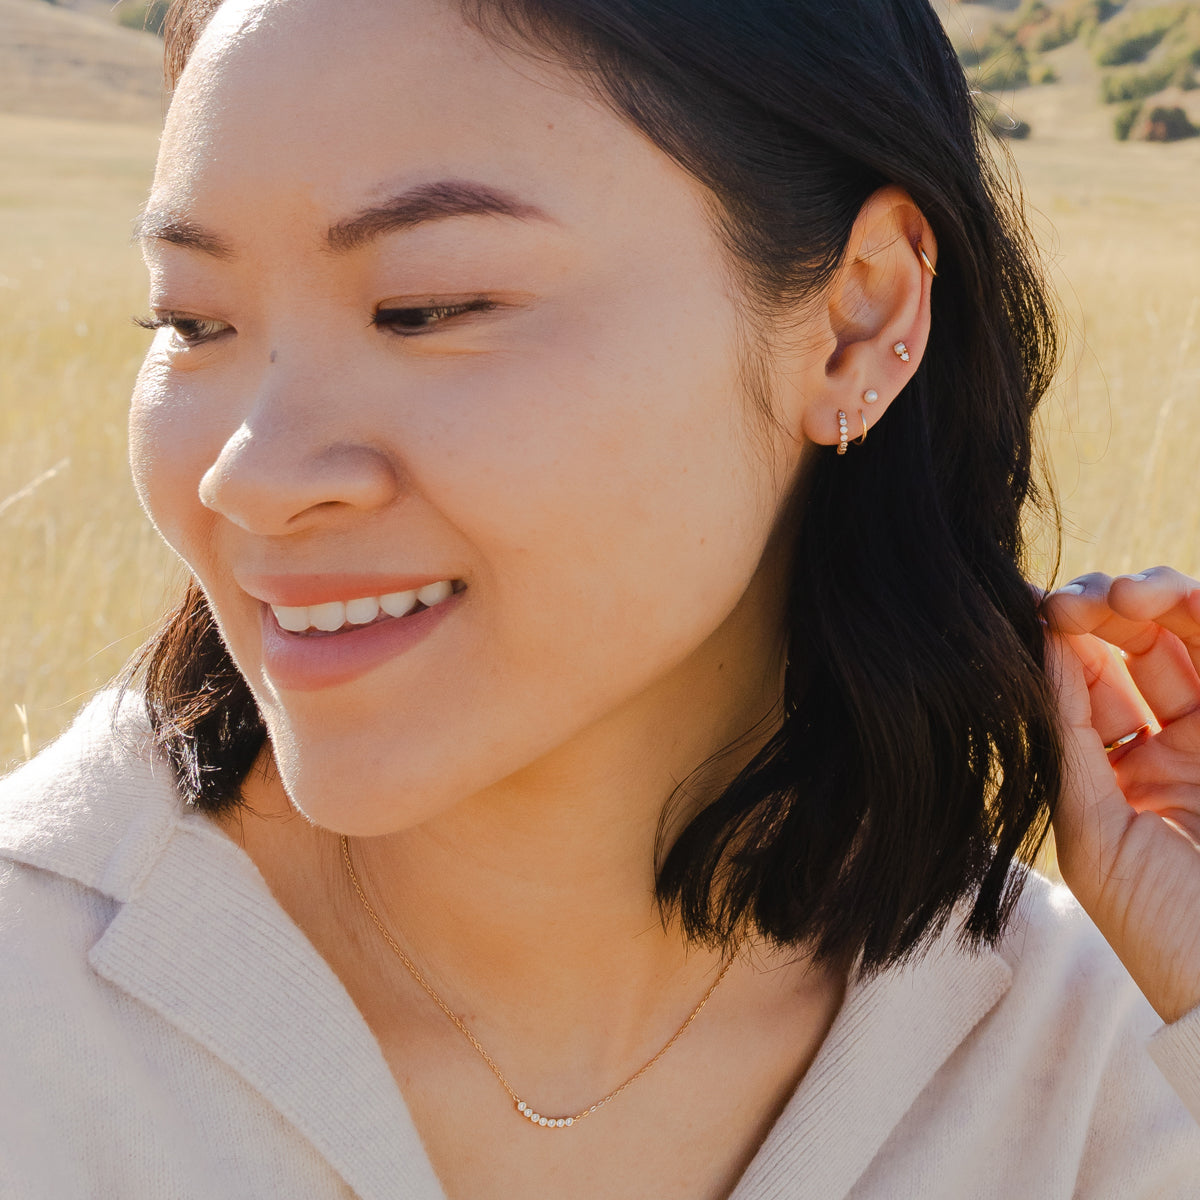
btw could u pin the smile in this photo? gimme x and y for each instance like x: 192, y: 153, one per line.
x: 337, y: 615
x: 307, y: 647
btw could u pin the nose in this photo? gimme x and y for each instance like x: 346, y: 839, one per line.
x: 283, y: 473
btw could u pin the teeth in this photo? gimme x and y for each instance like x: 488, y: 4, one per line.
x: 294, y: 620
x: 397, y: 604
x: 361, y: 611
x: 434, y: 593
x: 327, y: 617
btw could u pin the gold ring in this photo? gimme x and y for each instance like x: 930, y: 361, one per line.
x: 1129, y: 737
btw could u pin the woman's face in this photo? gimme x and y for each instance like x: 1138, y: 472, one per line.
x: 435, y: 315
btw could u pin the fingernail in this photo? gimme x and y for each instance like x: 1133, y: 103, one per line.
x: 1135, y: 578
x: 1071, y: 589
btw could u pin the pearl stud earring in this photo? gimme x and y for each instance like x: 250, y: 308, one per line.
x: 870, y: 395
x: 901, y: 350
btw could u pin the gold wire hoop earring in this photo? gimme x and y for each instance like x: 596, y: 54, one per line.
x: 925, y: 259
x: 858, y: 441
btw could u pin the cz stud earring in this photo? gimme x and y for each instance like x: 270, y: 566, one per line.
x: 901, y: 351
x: 843, y: 433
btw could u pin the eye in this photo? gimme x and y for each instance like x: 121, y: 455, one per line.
x: 414, y: 321
x: 189, y: 331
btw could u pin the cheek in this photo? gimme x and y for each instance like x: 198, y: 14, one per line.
x: 613, y: 476
x: 169, y: 450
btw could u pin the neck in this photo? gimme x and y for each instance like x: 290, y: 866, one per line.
x: 531, y: 907
x: 545, y: 885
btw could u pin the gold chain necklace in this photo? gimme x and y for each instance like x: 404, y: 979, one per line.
x: 522, y: 1107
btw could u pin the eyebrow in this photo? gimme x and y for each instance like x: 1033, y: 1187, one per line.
x: 417, y: 205
x: 160, y: 226
x: 429, y: 202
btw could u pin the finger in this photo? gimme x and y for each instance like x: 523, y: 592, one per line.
x: 1127, y: 612
x: 1091, y: 816
x: 1163, y: 776
x: 1180, y: 806
x: 1092, y: 600
x: 1166, y: 598
x: 1080, y: 606
x: 1116, y: 706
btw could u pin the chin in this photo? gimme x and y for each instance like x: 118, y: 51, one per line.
x: 362, y: 785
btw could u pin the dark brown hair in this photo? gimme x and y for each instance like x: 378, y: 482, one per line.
x: 918, y: 752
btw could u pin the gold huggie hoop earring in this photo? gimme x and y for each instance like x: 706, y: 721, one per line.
x: 843, y: 433
x: 858, y: 441
x: 925, y: 259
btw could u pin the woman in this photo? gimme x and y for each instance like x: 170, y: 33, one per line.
x: 591, y: 757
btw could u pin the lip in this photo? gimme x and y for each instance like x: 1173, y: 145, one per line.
x: 307, y: 663
x: 302, y: 591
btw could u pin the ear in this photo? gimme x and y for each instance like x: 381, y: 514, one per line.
x: 878, y: 298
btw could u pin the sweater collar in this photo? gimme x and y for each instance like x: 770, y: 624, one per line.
x: 200, y: 939
x: 96, y: 806
x: 891, y: 1036
x: 206, y: 945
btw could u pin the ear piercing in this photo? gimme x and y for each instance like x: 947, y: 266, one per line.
x: 925, y: 259
x: 871, y: 396
x: 844, y: 431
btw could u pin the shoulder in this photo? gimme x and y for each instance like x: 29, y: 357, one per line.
x: 80, y: 826
x: 1070, y: 999
x: 1039, y: 1045
x: 1057, y: 955
x: 96, y: 806
x: 1086, y: 1040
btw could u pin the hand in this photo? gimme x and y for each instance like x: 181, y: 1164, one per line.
x: 1125, y: 657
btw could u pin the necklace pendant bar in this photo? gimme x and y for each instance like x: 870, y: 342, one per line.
x: 522, y: 1108
x: 543, y: 1122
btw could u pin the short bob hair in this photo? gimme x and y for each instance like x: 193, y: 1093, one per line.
x: 917, y: 758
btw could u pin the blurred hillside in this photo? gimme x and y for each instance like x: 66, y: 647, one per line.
x: 1065, y: 69
x: 1084, y: 68
x: 77, y: 60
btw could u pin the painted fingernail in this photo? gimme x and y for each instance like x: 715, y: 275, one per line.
x: 1071, y: 589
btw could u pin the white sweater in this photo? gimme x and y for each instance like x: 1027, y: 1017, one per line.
x: 167, y: 1032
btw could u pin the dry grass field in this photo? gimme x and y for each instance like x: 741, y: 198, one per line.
x: 82, y: 576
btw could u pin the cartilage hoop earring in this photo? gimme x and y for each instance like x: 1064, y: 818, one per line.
x: 925, y: 259
x: 870, y: 395
x: 901, y: 351
x: 843, y: 433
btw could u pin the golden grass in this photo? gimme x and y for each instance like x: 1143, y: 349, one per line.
x: 83, y: 576
x: 1122, y: 230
